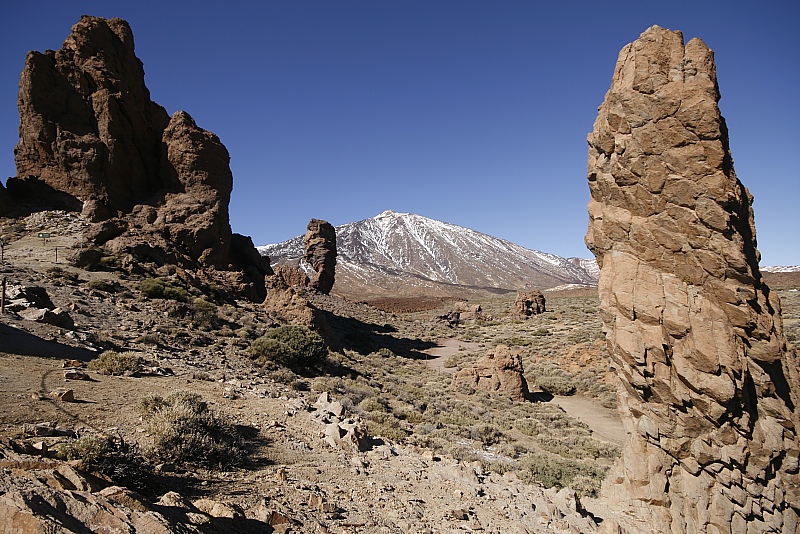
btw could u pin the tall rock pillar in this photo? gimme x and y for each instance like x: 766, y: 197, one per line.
x: 320, y: 242
x: 708, y: 387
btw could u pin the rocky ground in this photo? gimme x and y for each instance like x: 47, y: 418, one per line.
x: 419, y: 454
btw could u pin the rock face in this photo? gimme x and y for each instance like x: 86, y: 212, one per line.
x: 87, y: 125
x: 708, y: 386
x: 291, y: 276
x: 500, y: 370
x: 320, y: 242
x: 529, y: 303
x: 91, y: 140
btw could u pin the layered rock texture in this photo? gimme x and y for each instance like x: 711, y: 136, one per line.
x: 320, y: 254
x: 708, y: 385
x: 157, y: 187
x: 500, y: 370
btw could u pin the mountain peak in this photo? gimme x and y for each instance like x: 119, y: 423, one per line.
x: 412, y: 254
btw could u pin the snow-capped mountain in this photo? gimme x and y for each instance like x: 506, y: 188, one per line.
x: 403, y: 253
x: 781, y: 269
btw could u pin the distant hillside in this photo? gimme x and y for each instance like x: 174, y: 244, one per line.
x: 403, y: 254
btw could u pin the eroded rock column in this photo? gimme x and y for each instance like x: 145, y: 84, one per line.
x: 708, y: 387
x: 320, y: 254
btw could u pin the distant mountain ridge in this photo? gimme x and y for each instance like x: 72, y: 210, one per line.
x: 407, y: 254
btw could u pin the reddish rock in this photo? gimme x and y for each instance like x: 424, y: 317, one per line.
x: 529, y: 303
x: 157, y: 188
x: 291, y: 276
x: 500, y: 370
x: 320, y: 242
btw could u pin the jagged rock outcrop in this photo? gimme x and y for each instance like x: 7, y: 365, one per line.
x: 91, y: 140
x: 320, y: 243
x: 289, y: 306
x: 499, y: 370
x: 40, y: 494
x: 292, y: 276
x: 87, y: 125
x: 529, y: 303
x: 708, y: 386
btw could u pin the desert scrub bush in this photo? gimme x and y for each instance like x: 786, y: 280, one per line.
x: 150, y: 338
x: 577, y: 443
x: 204, y: 314
x: 290, y: 345
x: 514, y: 341
x: 552, y: 472
x: 158, y: 288
x: 59, y: 273
x: 116, y: 363
x: 185, y: 431
x: 552, y: 378
x: 485, y: 434
x: 103, y: 285
x: 590, y: 382
x: 115, y: 458
x: 385, y: 425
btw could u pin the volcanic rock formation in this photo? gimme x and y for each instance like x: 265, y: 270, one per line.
x: 320, y: 242
x: 158, y: 188
x: 500, y: 370
x: 529, y: 303
x: 708, y: 386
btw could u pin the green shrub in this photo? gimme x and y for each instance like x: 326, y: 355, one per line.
x: 386, y: 426
x: 185, y: 431
x: 291, y: 345
x: 204, y: 314
x: 116, y: 363
x: 103, y: 285
x: 114, y: 458
x: 552, y: 378
x: 157, y: 288
x: 551, y: 472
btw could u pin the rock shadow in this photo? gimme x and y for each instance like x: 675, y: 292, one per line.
x: 21, y: 343
x: 365, y: 338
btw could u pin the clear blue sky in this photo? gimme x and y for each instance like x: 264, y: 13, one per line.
x: 471, y: 112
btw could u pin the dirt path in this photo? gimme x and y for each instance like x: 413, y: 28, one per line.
x: 445, y: 349
x: 604, y: 422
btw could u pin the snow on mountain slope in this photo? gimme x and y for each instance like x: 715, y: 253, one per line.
x: 781, y: 269
x: 393, y: 249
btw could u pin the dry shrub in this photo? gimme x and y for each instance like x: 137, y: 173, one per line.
x: 551, y: 471
x: 116, y: 363
x: 290, y: 345
x: 115, y: 458
x: 185, y: 431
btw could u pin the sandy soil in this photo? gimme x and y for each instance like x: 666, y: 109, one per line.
x: 445, y: 349
x: 603, y: 422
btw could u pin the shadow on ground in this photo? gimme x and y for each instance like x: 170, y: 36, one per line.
x: 15, y: 341
x: 365, y: 338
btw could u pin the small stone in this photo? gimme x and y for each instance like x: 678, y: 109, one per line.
x: 63, y: 394
x: 76, y: 375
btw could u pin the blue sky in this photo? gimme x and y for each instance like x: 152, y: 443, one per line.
x: 471, y: 112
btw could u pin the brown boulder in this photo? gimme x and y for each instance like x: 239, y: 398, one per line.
x: 529, y: 303
x: 708, y: 386
x: 500, y: 370
x: 320, y: 242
